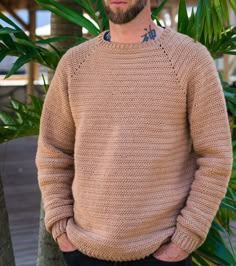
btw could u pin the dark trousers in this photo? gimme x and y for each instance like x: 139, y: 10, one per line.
x: 77, y: 258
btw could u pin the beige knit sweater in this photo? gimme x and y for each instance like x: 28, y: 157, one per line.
x: 134, y: 147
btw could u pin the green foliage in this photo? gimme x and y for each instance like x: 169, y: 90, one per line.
x: 22, y: 119
x: 25, y: 120
x: 97, y: 9
x: 214, y: 248
x: 69, y: 14
x: 157, y: 11
x: 226, y: 44
x: 206, y: 26
x: 15, y: 42
x: 230, y: 96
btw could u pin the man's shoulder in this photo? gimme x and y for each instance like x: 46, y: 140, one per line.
x: 183, y: 48
x: 79, y: 52
x: 75, y: 56
x: 90, y: 43
x: 183, y: 42
x: 83, y: 48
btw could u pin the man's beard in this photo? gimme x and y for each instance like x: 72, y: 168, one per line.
x: 122, y: 17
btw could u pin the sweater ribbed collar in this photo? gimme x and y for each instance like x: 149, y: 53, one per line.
x: 101, y: 42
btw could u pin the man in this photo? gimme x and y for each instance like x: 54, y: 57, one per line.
x: 134, y: 153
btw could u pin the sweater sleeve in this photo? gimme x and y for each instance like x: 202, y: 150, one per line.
x: 55, y: 152
x: 211, y: 142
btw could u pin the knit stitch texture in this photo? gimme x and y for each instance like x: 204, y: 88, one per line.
x: 134, y: 148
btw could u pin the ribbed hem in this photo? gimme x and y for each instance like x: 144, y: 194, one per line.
x: 59, y: 228
x: 185, y: 239
x: 115, y: 248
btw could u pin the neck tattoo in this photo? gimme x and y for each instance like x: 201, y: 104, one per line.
x: 107, y: 36
x: 149, y: 35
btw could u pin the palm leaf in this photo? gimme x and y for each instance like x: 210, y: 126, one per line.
x: 225, y: 12
x: 217, y: 7
x: 233, y: 5
x: 200, y: 260
x: 157, y: 11
x: 88, y: 8
x: 200, y: 20
x: 69, y: 14
x: 24, y: 121
x: 18, y: 64
x: 182, y: 17
x: 100, y: 13
x: 207, y: 27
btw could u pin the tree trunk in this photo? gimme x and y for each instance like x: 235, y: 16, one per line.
x: 62, y: 27
x: 48, y: 252
x: 6, y: 250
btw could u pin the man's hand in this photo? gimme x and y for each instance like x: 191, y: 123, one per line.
x: 65, y: 244
x: 170, y: 252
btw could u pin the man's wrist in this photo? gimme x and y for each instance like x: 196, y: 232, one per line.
x: 59, y: 228
x: 185, y: 239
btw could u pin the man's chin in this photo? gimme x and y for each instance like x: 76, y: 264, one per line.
x: 119, y: 22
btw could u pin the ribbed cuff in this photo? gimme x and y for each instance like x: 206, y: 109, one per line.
x: 186, y: 239
x: 59, y: 228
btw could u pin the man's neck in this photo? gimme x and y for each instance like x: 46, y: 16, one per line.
x: 140, y: 29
